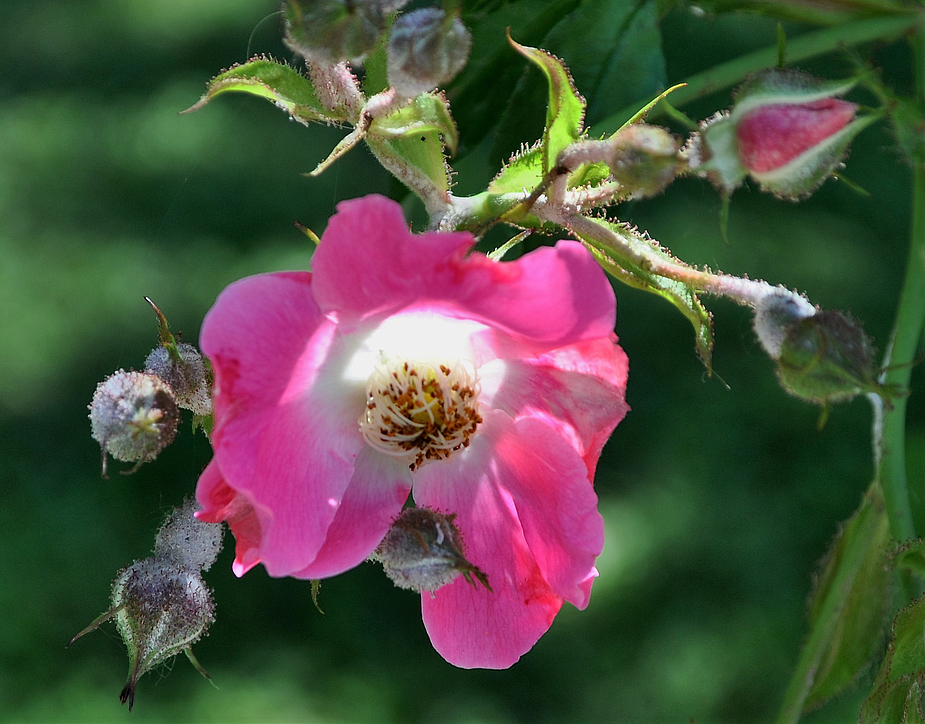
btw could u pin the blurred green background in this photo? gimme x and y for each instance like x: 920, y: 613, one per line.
x: 719, y: 495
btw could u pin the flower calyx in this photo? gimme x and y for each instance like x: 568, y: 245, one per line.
x: 423, y: 551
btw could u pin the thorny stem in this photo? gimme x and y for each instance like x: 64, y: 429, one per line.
x: 743, y: 291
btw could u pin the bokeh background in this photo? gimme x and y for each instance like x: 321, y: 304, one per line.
x: 719, y: 493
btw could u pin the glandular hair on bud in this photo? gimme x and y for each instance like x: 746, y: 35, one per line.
x: 775, y: 315
x: 160, y: 610
x: 427, y: 48
x: 423, y: 551
x: 133, y: 415
x: 187, y: 376
x: 186, y: 540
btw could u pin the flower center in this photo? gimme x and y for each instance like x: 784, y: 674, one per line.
x: 420, y: 411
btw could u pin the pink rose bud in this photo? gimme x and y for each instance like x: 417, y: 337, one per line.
x: 787, y: 130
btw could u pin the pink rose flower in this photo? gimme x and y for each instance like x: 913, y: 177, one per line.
x: 404, y: 363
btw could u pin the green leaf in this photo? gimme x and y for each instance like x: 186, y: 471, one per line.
x: 858, y: 627
x: 614, y: 52
x: 426, y: 113
x: 277, y: 82
x: 897, y: 692
x: 834, y: 591
x: 625, y: 267
x: 566, y: 109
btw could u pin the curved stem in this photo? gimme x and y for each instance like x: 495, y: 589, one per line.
x: 806, y: 46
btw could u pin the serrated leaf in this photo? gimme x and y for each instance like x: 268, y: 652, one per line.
x: 429, y: 112
x: 566, y: 109
x: 614, y: 52
x: 857, y: 630
x: 623, y: 265
x: 897, y: 692
x: 277, y: 82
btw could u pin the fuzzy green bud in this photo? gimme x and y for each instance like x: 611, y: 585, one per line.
x: 645, y: 159
x: 827, y: 357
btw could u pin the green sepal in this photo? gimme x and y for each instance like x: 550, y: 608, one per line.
x: 683, y: 296
x: 422, y: 152
x: 279, y: 83
x: 861, y: 602
x: 897, y: 692
x: 566, y: 109
x: 524, y: 171
x: 910, y: 556
x: 206, y: 423
x: 781, y: 86
x: 427, y: 113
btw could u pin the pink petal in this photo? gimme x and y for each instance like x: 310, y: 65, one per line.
x: 528, y: 517
x: 286, y: 436
x: 577, y: 390
x: 369, y: 263
x: 771, y: 136
x: 221, y: 503
x: 374, y: 498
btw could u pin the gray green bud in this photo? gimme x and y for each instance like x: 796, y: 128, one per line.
x: 133, y: 416
x: 329, y: 31
x: 183, y: 368
x: 427, y: 48
x: 186, y: 540
x: 423, y: 551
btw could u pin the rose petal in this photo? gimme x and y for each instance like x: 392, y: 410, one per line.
x: 528, y: 517
x: 577, y: 390
x: 374, y: 498
x: 222, y: 503
x: 286, y: 425
x: 369, y: 263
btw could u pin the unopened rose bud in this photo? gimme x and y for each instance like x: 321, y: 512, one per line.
x: 787, y: 130
x: 184, y: 370
x: 133, y: 415
x: 330, y: 31
x: 160, y: 610
x: 186, y: 540
x: 422, y: 551
x: 645, y: 159
x: 827, y: 357
x: 427, y: 48
x: 775, y: 315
